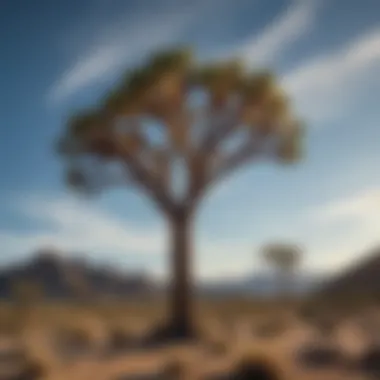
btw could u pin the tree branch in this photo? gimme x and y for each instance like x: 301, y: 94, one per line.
x: 218, y: 133
x: 147, y: 180
x: 214, y: 137
x: 238, y: 159
x: 141, y: 174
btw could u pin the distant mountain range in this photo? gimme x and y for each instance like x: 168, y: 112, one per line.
x: 360, y: 278
x: 59, y: 277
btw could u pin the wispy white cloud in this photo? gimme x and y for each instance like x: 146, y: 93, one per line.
x: 353, y: 223
x: 75, y: 226
x: 324, y: 86
x: 121, y: 45
x: 331, y: 257
x: 89, y: 68
x: 362, y: 208
x: 285, y: 30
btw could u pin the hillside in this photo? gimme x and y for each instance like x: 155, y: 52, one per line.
x: 59, y: 277
x: 361, y: 278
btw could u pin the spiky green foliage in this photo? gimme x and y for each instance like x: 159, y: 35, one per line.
x: 239, y: 101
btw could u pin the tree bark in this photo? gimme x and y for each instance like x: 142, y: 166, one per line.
x: 181, y: 281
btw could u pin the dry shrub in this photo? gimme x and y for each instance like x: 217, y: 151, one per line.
x: 326, y: 326
x: 320, y: 356
x: 174, y: 370
x: 33, y: 370
x: 307, y: 313
x: 270, y: 329
x: 176, y: 367
x: 214, y: 337
x: 8, y: 323
x: 256, y: 366
x: 18, y: 365
x: 74, y: 339
x: 228, y: 323
x: 219, y: 347
x: 369, y: 362
x: 120, y: 339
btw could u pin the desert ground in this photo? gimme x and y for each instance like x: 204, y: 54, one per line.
x: 105, y: 342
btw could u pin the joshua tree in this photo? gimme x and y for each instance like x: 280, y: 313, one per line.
x: 175, y: 129
x: 285, y: 258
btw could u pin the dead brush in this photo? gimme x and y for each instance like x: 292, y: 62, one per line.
x: 73, y: 339
x: 326, y: 326
x: 269, y: 329
x: 319, y: 355
x: 219, y: 347
x: 215, y: 338
x: 33, y: 370
x: 256, y: 366
x: 177, y: 367
x: 119, y: 339
x: 369, y: 362
x: 17, y: 364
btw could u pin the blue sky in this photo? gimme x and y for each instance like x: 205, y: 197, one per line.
x: 59, y: 56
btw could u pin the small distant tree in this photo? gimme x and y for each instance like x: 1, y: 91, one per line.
x: 285, y: 259
x: 174, y: 129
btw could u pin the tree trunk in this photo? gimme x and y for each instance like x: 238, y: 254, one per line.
x: 181, y: 303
